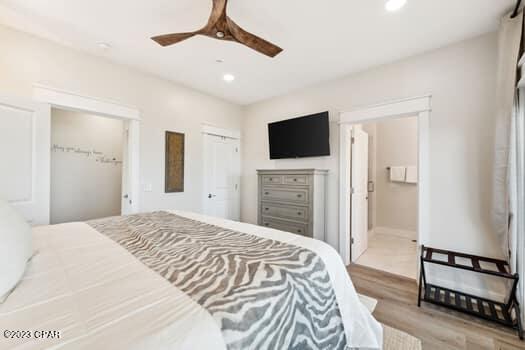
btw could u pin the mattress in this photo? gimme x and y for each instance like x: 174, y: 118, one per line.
x: 179, y: 280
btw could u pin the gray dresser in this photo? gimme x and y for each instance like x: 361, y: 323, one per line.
x: 293, y: 201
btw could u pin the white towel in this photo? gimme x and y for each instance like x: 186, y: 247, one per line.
x: 397, y: 173
x: 411, y: 175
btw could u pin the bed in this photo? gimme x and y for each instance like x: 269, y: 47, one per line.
x: 179, y: 280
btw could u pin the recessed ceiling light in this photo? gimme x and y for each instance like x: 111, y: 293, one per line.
x: 104, y: 46
x: 228, y: 78
x: 395, y: 5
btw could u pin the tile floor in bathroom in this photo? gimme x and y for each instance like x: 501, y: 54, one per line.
x: 394, y: 254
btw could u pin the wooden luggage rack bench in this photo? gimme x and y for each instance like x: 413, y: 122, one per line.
x: 494, y: 311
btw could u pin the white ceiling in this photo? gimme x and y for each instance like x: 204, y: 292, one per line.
x: 321, y: 39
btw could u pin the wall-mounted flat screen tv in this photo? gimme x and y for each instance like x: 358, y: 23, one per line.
x: 307, y: 136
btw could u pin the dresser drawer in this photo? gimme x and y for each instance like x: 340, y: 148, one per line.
x: 286, y: 212
x: 285, y: 195
x: 295, y: 180
x: 297, y: 228
x: 272, y: 179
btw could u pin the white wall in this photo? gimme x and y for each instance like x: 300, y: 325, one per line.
x: 461, y: 79
x: 82, y: 186
x: 25, y: 60
x: 396, y: 203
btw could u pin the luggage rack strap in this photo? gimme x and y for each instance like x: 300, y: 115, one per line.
x: 501, y: 266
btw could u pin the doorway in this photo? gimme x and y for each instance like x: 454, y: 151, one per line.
x: 221, y: 175
x: 419, y: 107
x: 86, y: 166
x: 28, y: 132
x: 383, y: 213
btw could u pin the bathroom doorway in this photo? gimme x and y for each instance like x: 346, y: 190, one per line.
x: 384, y: 198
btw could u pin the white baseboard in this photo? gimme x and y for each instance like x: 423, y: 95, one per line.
x: 396, y: 232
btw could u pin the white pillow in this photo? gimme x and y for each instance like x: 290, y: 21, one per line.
x: 15, y: 248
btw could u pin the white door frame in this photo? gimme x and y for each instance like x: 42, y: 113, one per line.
x: 72, y: 101
x: 231, y: 134
x: 416, y: 106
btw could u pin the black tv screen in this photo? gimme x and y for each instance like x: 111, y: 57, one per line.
x: 300, y: 137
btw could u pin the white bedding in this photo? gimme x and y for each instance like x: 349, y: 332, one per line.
x: 99, y: 296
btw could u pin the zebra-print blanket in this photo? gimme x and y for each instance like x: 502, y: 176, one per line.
x: 263, y: 294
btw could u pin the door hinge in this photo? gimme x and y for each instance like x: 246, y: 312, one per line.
x: 236, y: 150
x: 351, y: 241
x: 353, y: 140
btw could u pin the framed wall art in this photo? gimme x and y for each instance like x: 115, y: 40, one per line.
x: 174, y: 172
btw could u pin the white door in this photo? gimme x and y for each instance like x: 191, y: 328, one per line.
x: 359, y: 192
x: 125, y: 206
x: 221, y: 177
x: 25, y: 148
x: 130, y: 181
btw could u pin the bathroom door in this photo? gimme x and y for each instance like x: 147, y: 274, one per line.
x: 359, y: 192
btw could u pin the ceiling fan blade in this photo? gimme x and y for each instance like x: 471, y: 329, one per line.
x: 252, y: 41
x: 218, y: 11
x: 170, y: 39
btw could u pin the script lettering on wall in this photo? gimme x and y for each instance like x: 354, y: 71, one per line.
x: 174, y: 172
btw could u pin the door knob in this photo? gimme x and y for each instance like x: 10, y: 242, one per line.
x: 211, y: 195
x: 126, y: 196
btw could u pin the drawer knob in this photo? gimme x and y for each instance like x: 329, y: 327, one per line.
x: 266, y: 224
x: 299, y: 231
x: 266, y: 193
x: 266, y: 208
x: 295, y: 180
x: 299, y: 213
x: 299, y: 195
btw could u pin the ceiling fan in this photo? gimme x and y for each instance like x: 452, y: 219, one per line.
x: 221, y: 27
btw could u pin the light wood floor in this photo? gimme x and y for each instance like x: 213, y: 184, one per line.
x: 437, y: 328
